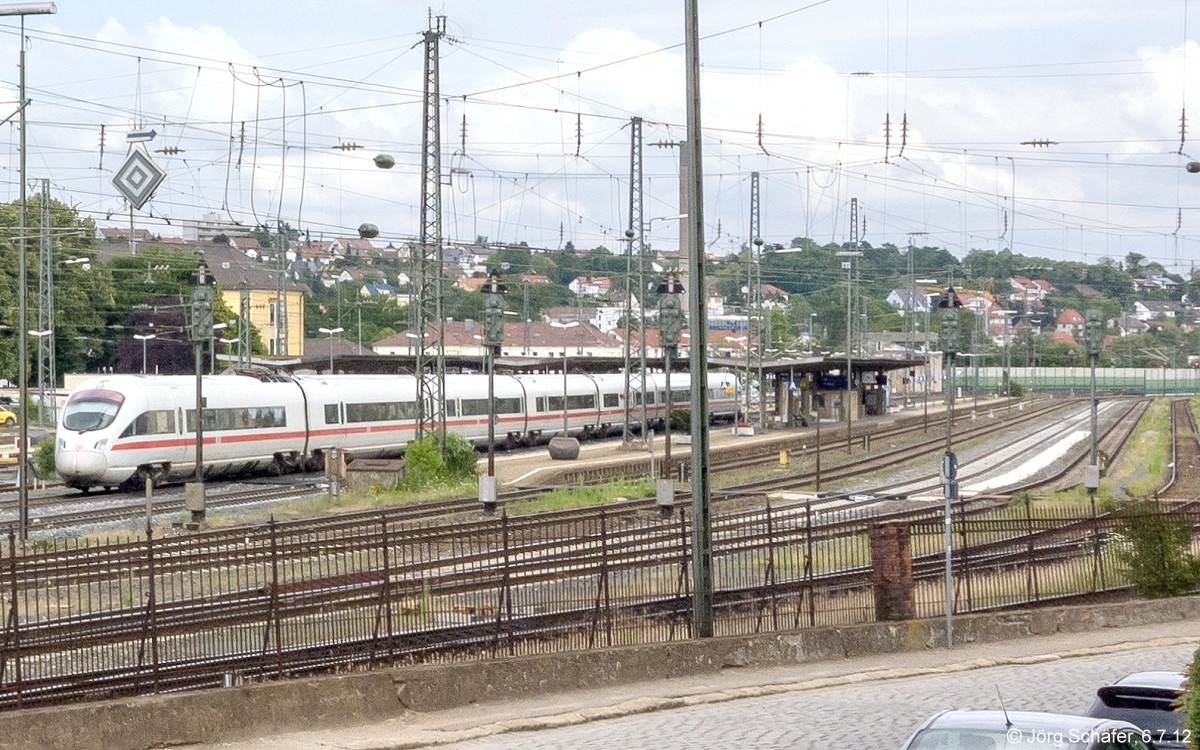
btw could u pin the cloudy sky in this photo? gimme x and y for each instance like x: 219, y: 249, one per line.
x: 1052, y: 128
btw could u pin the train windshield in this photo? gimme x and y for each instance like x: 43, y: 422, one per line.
x: 92, y: 410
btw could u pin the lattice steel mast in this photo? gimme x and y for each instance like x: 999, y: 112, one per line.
x: 431, y: 360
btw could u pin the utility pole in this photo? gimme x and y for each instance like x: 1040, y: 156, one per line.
x: 243, y: 326
x: 638, y: 225
x: 45, y: 326
x: 430, y: 359
x: 635, y: 221
x: 281, y: 322
x: 702, y: 557
x: 754, y: 302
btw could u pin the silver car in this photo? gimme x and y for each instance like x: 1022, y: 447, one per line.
x: 1025, y: 730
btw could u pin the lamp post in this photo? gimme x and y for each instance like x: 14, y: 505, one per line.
x: 565, y: 446
x: 493, y: 339
x: 925, y: 422
x: 22, y: 10
x: 332, y: 332
x: 201, y: 330
x: 144, y: 338
x: 40, y: 336
x: 848, y: 265
x: 1094, y: 338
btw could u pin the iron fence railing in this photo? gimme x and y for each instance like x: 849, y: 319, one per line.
x: 84, y: 621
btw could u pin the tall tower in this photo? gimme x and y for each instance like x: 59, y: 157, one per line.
x: 428, y: 322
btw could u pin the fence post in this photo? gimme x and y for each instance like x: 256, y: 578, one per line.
x: 602, y: 590
x: 966, y: 553
x: 808, y: 572
x: 769, y: 576
x: 504, y: 600
x: 12, y: 634
x: 683, y: 589
x: 272, y: 610
x: 150, y: 623
x: 1031, y: 579
x: 384, y: 609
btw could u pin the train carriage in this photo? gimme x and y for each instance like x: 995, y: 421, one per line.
x: 117, y: 429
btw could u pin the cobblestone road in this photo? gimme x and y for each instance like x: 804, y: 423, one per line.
x: 871, y: 715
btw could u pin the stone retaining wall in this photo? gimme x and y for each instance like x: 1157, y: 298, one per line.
x: 295, y: 705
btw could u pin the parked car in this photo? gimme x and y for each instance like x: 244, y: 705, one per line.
x: 1024, y: 730
x: 1147, y: 699
x: 7, y: 418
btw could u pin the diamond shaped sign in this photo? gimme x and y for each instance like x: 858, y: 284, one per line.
x: 138, y: 177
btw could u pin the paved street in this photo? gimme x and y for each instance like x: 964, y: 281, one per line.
x: 870, y: 715
x: 863, y: 702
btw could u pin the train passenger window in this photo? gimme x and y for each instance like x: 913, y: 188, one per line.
x: 451, y: 408
x: 151, y: 423
x: 331, y: 413
x: 473, y: 407
x: 239, y: 418
x: 541, y: 403
x: 554, y: 403
x: 612, y: 399
x: 392, y: 411
x: 508, y: 406
x: 582, y: 401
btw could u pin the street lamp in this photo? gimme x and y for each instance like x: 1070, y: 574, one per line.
x: 144, y: 338
x: 848, y: 265
x: 41, y: 336
x: 925, y: 423
x: 22, y: 10
x: 332, y: 332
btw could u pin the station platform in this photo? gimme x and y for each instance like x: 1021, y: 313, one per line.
x: 534, y: 467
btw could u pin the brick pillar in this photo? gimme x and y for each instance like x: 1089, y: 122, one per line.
x: 891, y: 571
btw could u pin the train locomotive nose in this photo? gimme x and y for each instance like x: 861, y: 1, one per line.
x: 80, y: 464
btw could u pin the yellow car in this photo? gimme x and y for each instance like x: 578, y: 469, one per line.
x: 7, y: 418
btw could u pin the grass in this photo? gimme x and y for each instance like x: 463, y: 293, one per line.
x: 1142, y: 464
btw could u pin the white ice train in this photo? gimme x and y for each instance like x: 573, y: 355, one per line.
x: 117, y: 429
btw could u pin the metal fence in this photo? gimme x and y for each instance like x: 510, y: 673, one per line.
x: 1132, y: 380
x: 156, y: 615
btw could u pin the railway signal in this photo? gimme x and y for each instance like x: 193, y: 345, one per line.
x: 493, y: 339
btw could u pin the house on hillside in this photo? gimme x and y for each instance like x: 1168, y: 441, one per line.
x: 1029, y: 294
x: 464, y: 338
x: 1070, y: 322
x: 276, y: 300
x: 591, y: 286
x: 1151, y: 310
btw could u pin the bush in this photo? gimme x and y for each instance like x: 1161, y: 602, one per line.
x: 423, y: 464
x: 43, y: 458
x: 681, y: 420
x: 461, y: 459
x: 1190, y: 703
x: 1157, y: 552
